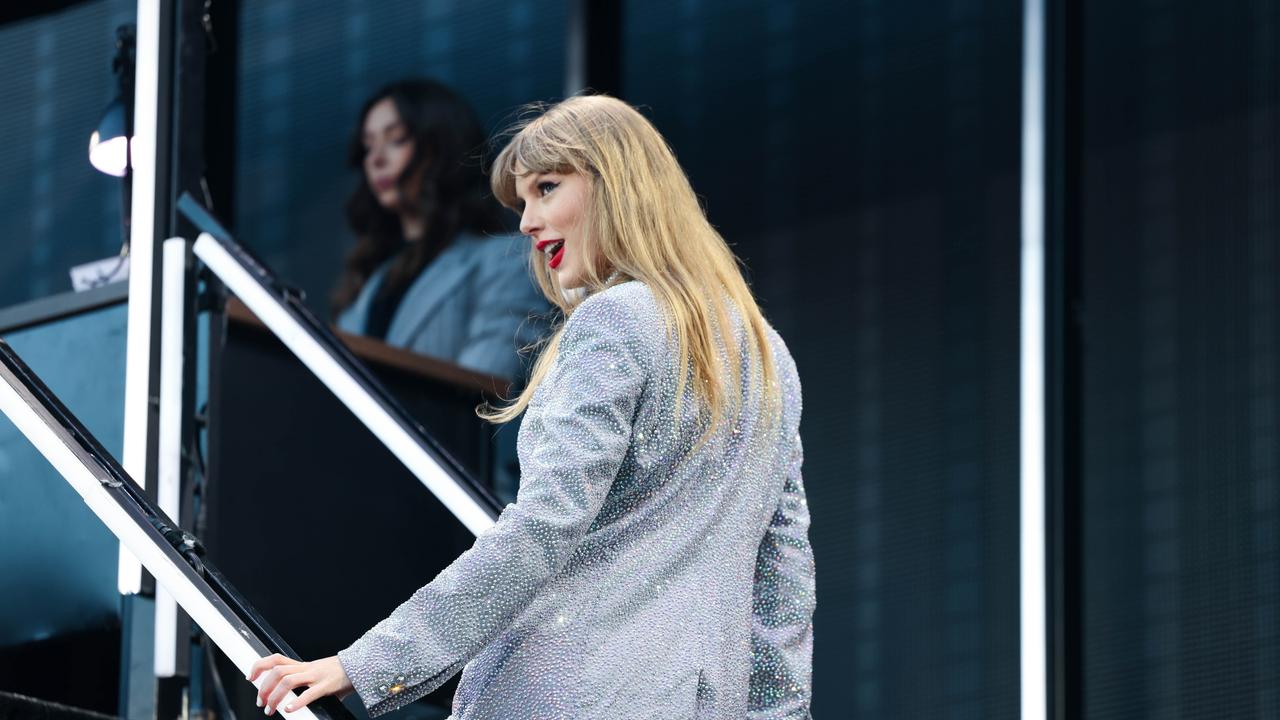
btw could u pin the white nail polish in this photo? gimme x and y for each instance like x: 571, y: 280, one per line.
x: 259, y: 699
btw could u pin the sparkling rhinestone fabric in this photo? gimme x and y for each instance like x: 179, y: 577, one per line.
x: 632, y: 578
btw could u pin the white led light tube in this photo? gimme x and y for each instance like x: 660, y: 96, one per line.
x: 169, y: 431
x: 1033, y: 576
x: 87, y: 475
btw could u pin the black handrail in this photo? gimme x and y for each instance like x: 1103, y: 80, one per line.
x: 291, y: 300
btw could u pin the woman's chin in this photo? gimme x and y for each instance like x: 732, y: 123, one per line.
x: 568, y: 281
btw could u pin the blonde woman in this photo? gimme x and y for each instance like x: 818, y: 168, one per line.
x: 656, y: 561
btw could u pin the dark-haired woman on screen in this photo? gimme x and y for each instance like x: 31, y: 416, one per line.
x: 432, y: 270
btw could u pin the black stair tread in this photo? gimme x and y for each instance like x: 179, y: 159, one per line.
x: 21, y: 707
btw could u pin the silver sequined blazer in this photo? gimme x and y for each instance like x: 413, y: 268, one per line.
x: 631, y: 578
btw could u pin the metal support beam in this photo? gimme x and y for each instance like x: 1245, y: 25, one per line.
x: 1064, y: 358
x: 594, y: 44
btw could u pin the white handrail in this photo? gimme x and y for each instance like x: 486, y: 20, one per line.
x: 87, y: 476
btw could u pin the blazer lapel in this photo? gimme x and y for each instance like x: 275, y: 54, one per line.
x: 434, y: 285
x: 353, y: 319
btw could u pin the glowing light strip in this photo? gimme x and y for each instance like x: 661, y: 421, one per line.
x: 350, y: 392
x: 1033, y: 593
x: 55, y: 444
x: 169, y: 462
x: 137, y: 374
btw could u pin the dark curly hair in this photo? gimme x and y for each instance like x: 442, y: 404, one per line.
x: 453, y: 195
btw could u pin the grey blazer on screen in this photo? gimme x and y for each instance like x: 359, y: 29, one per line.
x: 638, y: 574
x: 472, y: 305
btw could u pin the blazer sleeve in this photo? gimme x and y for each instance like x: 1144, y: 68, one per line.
x: 507, y: 315
x: 783, y: 602
x: 569, y: 459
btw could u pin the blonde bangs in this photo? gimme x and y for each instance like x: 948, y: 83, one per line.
x: 532, y: 149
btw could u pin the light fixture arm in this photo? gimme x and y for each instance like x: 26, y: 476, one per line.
x: 123, y: 66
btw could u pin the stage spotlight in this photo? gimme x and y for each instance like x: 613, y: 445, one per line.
x: 109, y: 144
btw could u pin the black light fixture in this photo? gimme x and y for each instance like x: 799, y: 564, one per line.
x: 110, y: 143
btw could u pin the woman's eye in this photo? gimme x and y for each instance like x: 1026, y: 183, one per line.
x: 546, y: 187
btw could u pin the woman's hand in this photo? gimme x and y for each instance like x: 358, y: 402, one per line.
x: 281, y: 674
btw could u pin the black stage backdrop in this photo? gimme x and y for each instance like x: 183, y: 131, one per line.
x: 1181, y: 125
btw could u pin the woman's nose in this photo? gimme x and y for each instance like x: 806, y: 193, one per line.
x: 529, y: 222
x: 376, y: 157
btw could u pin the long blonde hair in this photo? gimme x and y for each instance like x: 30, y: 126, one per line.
x: 641, y: 221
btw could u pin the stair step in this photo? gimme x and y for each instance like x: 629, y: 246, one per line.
x: 21, y: 707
